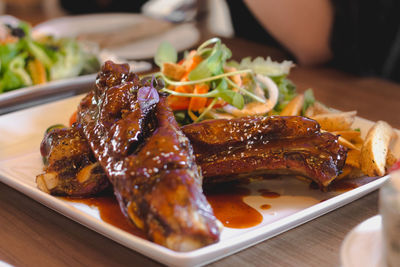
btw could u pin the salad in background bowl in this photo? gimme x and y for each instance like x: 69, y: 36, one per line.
x: 36, y: 67
x: 27, y: 60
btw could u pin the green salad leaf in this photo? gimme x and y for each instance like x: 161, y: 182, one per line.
x: 202, y: 71
x: 165, y: 53
x: 68, y: 63
x: 287, y: 91
x: 59, y: 58
x: 10, y: 81
x: 214, y: 63
x: 7, y: 53
x: 231, y: 97
x: 267, y: 66
x: 309, y: 100
x: 39, y: 53
x: 17, y: 66
x: 15, y: 76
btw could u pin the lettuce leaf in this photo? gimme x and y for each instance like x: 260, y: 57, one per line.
x: 15, y: 76
x: 68, y: 62
x: 165, y: 53
x: 10, y: 81
x: 266, y: 66
x: 309, y: 100
x: 7, y: 53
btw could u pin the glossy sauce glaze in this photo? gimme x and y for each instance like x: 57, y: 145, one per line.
x: 268, y: 194
x: 344, y: 185
x: 265, y: 206
x: 110, y: 212
x: 229, y: 207
x: 227, y: 203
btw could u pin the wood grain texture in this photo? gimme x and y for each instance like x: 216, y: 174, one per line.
x: 33, y: 235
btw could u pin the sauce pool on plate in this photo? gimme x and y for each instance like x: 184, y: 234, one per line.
x: 230, y: 209
x: 227, y: 202
x: 109, y: 212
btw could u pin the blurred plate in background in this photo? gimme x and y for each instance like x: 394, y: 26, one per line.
x: 127, y: 35
x: 54, y: 90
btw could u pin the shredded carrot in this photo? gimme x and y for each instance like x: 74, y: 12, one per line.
x: 193, y: 103
x: 73, y: 118
x: 184, y: 61
x: 180, y: 62
x: 190, y: 65
x: 193, y: 62
x: 192, y: 115
x: 184, y: 89
x: 9, y: 39
x: 37, y: 71
x: 178, y: 102
x: 198, y: 103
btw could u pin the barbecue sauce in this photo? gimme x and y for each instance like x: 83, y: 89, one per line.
x: 227, y: 203
x: 229, y: 207
x: 265, y: 207
x: 349, y: 184
x: 268, y: 194
x: 110, y: 212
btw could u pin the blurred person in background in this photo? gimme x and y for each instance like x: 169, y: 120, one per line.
x: 357, y: 36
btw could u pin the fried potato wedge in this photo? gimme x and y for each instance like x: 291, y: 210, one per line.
x: 375, y: 149
x: 337, y: 121
x: 355, y: 173
x: 293, y: 108
x: 353, y: 158
x: 354, y: 137
x: 344, y: 141
x: 350, y: 172
x: 390, y: 160
x: 348, y: 134
x: 347, y: 169
x: 350, y: 138
x: 317, y: 108
x: 347, y: 143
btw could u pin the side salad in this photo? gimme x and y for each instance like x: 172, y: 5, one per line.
x: 26, y: 61
x: 207, y: 84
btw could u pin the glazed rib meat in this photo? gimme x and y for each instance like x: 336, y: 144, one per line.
x: 150, y: 163
x: 251, y: 146
x: 246, y: 147
x: 70, y: 166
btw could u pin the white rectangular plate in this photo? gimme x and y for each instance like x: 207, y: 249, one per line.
x: 20, y: 161
x: 33, y: 95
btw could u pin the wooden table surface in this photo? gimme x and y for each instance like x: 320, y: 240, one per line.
x: 34, y: 235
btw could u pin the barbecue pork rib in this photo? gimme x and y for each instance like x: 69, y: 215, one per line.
x: 252, y: 146
x: 230, y: 150
x: 149, y: 161
x: 70, y: 166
